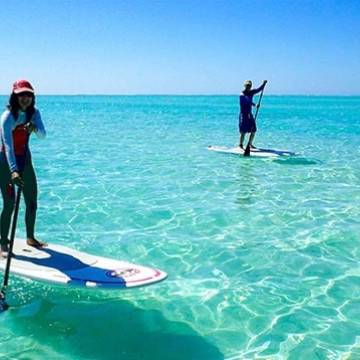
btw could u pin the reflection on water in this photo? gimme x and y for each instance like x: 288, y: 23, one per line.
x: 262, y: 259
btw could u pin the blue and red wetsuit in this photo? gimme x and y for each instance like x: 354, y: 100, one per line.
x: 15, y: 156
x: 14, y: 136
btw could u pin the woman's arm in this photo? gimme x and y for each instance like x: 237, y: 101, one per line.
x: 39, y: 125
x: 7, y: 124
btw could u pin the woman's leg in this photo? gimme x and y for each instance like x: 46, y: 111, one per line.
x: 8, y: 195
x: 30, y: 197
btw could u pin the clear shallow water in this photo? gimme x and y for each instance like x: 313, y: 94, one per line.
x: 262, y: 255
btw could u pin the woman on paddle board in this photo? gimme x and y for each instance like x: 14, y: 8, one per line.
x: 17, y: 123
x: 247, y: 123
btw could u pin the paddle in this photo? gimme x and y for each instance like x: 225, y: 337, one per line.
x: 3, y: 305
x: 247, y: 150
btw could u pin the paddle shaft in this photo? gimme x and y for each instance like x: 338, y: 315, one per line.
x: 258, y: 105
x: 12, y: 239
x: 247, y: 150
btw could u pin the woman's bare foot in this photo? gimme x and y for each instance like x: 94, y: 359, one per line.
x: 4, y: 249
x: 36, y: 243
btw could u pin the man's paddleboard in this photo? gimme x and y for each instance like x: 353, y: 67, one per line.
x: 61, y: 265
x: 259, y: 152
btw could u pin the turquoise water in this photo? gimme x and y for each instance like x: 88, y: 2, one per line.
x: 262, y: 255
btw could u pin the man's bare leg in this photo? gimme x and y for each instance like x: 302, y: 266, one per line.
x: 242, y: 136
x: 251, y: 139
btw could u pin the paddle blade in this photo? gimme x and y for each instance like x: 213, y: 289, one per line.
x: 3, y: 304
x: 247, y: 151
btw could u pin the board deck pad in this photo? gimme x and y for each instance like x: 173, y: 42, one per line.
x: 62, y: 265
x: 259, y: 152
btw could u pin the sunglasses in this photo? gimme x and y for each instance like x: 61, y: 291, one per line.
x: 25, y: 93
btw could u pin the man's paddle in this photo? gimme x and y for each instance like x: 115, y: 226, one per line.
x: 3, y: 305
x: 247, y: 150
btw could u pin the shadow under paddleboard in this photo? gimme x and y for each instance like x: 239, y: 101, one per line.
x: 297, y: 161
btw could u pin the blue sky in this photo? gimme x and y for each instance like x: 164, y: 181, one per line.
x: 181, y: 47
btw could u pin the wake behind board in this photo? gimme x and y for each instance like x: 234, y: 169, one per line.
x: 61, y: 265
x: 259, y: 152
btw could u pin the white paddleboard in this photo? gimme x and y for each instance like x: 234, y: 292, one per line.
x: 259, y: 152
x: 61, y: 265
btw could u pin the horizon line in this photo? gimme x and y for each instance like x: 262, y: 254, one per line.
x: 187, y: 94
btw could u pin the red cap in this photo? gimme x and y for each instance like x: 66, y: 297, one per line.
x: 22, y: 86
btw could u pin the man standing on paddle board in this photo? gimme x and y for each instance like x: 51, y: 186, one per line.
x: 247, y: 123
x: 17, y: 123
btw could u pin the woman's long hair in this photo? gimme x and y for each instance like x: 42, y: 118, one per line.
x: 14, y: 107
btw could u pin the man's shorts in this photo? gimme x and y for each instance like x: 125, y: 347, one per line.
x: 247, y: 123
